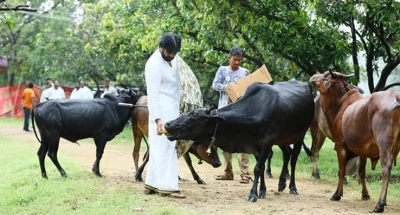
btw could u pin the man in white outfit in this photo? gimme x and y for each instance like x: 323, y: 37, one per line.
x: 75, y: 94
x: 56, y: 92
x: 162, y: 79
x: 85, y: 92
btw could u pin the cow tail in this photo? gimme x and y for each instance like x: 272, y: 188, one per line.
x: 307, y: 150
x: 33, y: 123
x: 147, y: 151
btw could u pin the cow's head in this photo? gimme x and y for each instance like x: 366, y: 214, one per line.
x: 207, y: 153
x: 128, y: 96
x: 331, y: 82
x: 195, y: 125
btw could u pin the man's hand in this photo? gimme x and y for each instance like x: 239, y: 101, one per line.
x: 160, y: 126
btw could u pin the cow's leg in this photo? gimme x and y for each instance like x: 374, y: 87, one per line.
x: 137, y: 136
x: 268, y: 173
x: 139, y: 171
x: 100, y: 145
x: 342, y: 160
x: 52, y: 153
x: 362, y: 175
x: 259, y: 175
x: 42, y: 156
x: 318, y: 139
x: 196, y: 177
x: 286, y: 153
x: 386, y: 163
x: 293, y: 161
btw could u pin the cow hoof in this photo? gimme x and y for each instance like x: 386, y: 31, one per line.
x: 138, y: 178
x: 316, y: 176
x: 281, y: 186
x: 335, y: 197
x: 252, y: 198
x: 365, y: 197
x: 98, y: 174
x: 268, y: 175
x: 379, y: 208
x: 294, y: 191
x: 200, y: 181
x: 262, y: 195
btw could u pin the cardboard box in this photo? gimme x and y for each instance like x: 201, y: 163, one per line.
x: 236, y: 90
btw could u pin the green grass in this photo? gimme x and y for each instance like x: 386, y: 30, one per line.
x: 23, y: 191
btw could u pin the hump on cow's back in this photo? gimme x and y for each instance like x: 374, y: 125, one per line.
x: 142, y: 101
x: 110, y: 97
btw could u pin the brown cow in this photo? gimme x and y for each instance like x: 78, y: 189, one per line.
x: 140, y: 130
x: 319, y: 132
x: 368, y: 127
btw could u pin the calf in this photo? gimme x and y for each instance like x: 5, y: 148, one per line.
x: 100, y: 119
x: 266, y: 114
x: 368, y: 127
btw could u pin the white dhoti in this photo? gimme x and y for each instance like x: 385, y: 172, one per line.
x: 162, y: 172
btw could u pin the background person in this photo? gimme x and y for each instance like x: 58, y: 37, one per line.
x: 86, y: 93
x: 108, y: 89
x: 75, y: 94
x: 223, y: 77
x: 56, y: 92
x: 44, y: 96
x: 28, y: 102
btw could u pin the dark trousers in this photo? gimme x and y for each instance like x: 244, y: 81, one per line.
x: 27, y: 114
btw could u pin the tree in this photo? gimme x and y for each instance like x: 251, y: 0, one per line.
x: 375, y: 33
x: 17, y: 36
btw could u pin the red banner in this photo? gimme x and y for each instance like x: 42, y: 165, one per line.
x: 10, y: 99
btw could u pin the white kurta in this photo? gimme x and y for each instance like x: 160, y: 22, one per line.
x: 163, y: 102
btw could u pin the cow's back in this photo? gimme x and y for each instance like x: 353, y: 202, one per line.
x: 283, y: 111
x: 76, y: 119
x: 369, y: 114
x: 140, y: 116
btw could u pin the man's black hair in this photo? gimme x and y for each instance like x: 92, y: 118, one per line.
x: 236, y: 51
x: 30, y: 85
x: 171, y: 42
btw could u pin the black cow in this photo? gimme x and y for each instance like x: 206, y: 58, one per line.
x: 101, y: 119
x: 266, y: 114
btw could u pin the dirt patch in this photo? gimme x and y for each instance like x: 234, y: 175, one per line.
x: 219, y: 197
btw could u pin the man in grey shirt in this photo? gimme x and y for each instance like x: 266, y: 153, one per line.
x: 224, y: 76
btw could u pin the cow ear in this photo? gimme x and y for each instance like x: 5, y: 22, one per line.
x: 326, y: 84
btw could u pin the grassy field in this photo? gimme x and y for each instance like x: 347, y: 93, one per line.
x: 22, y: 191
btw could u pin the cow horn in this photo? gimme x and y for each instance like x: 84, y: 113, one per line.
x: 332, y: 74
x: 350, y: 75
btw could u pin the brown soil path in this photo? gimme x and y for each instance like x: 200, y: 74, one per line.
x: 219, y: 197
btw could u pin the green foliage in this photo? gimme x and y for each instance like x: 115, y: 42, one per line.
x: 95, y: 40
